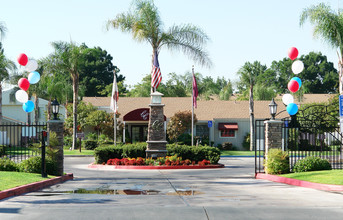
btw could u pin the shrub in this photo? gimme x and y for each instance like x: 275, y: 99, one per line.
x: 311, y: 164
x: 246, y: 142
x: 104, y: 153
x: 34, y: 165
x: 7, y: 164
x: 227, y: 146
x: 277, y: 162
x: 90, y: 144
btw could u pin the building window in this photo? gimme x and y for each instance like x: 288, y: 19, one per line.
x: 227, y: 133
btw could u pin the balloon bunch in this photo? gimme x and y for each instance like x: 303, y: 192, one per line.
x: 295, y: 83
x: 24, y: 84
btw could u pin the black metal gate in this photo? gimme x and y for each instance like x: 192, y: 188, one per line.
x: 313, y: 131
x: 20, y: 141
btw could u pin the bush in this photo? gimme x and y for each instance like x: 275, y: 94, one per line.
x: 246, y: 142
x: 277, y: 162
x: 34, y: 165
x: 199, y: 153
x: 227, y: 146
x: 90, y: 144
x: 8, y: 165
x: 2, y: 150
x: 311, y: 164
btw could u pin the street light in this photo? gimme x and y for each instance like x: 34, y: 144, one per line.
x: 55, y: 108
x: 273, y: 108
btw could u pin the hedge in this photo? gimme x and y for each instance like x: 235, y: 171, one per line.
x: 198, y: 153
x: 311, y: 164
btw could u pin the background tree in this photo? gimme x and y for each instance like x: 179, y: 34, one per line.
x: 328, y: 25
x: 144, y: 23
x: 179, y: 123
x: 248, y: 76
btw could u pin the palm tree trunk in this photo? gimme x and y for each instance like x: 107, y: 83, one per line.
x: 75, y: 100
x: 36, y: 109
x: 251, y: 111
x: 340, y: 63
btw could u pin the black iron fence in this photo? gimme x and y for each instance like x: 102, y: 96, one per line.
x: 20, y: 141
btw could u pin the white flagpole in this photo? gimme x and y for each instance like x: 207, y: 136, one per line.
x: 115, y: 128
x: 192, y: 106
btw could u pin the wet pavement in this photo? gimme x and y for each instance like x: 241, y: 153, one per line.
x: 225, y: 193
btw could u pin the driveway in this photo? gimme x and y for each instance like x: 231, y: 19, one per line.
x: 227, y: 193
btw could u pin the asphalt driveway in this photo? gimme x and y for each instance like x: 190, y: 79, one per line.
x: 227, y: 193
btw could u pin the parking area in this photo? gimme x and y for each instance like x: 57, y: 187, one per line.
x: 226, y: 193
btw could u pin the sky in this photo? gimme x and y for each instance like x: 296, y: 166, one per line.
x: 240, y: 31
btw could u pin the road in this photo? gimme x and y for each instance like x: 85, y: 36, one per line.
x: 227, y: 193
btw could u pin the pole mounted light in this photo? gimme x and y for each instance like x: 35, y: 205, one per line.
x: 272, y: 108
x: 55, y: 108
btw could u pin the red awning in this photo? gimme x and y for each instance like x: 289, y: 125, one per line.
x: 228, y: 126
x: 140, y: 114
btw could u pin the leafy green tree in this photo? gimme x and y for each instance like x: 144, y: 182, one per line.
x: 141, y: 89
x: 144, y: 23
x: 179, y: 123
x: 6, y: 66
x: 226, y: 92
x: 328, y: 25
x: 248, y: 77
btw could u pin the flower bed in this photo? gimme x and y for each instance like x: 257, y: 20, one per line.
x: 169, y: 162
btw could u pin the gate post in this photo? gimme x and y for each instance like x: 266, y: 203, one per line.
x: 273, y: 135
x: 57, y: 127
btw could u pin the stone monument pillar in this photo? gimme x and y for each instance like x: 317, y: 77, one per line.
x: 156, y: 133
x: 57, y: 127
x: 273, y: 135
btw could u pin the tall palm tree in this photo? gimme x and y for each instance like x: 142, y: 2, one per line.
x: 328, y: 25
x: 144, y: 23
x: 248, y: 77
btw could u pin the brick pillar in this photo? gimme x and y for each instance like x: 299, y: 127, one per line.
x: 57, y: 127
x: 273, y: 135
x: 156, y: 133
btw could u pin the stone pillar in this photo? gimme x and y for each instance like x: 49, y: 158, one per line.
x: 273, y: 135
x: 57, y: 127
x: 156, y: 134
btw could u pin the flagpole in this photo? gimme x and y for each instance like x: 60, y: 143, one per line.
x: 192, y: 106
x: 115, y: 128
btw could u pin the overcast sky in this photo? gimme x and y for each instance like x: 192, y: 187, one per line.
x: 240, y: 31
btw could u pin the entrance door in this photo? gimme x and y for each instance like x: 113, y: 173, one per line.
x: 139, y: 133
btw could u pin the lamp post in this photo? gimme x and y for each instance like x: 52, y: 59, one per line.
x: 272, y: 108
x: 55, y: 108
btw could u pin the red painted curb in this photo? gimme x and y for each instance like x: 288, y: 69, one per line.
x: 34, y: 186
x: 302, y: 183
x: 112, y: 167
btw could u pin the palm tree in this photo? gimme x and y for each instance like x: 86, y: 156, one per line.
x: 328, y: 25
x: 248, y: 77
x: 5, y: 67
x: 144, y: 23
x: 3, y: 29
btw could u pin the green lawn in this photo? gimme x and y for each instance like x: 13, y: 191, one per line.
x: 77, y: 152
x: 325, y: 176
x: 237, y: 153
x: 10, y: 180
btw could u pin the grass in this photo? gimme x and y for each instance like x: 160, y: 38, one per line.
x: 237, y: 153
x: 326, y: 176
x: 10, y: 180
x: 77, y: 152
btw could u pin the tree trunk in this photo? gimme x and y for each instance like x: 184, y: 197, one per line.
x: 75, y: 101
x: 36, y: 109
x: 251, y: 111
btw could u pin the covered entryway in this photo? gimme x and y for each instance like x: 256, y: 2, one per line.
x: 136, y: 125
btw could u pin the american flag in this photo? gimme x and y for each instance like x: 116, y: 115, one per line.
x: 195, y: 91
x: 115, y: 95
x: 156, y: 76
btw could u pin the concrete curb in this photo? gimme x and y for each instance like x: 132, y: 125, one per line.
x: 302, y: 183
x: 113, y: 167
x: 34, y: 186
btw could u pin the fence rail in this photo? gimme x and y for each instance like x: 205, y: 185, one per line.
x: 20, y: 141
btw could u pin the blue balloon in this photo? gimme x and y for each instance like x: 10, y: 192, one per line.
x: 28, y: 106
x: 298, y: 80
x: 292, y: 108
x: 33, y: 77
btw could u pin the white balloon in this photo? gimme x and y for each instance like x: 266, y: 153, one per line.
x: 297, y: 66
x: 287, y: 99
x: 31, y: 65
x: 21, y: 96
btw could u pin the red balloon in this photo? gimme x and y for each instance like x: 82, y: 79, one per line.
x: 22, y: 59
x: 24, y: 84
x: 293, y: 86
x: 293, y: 53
